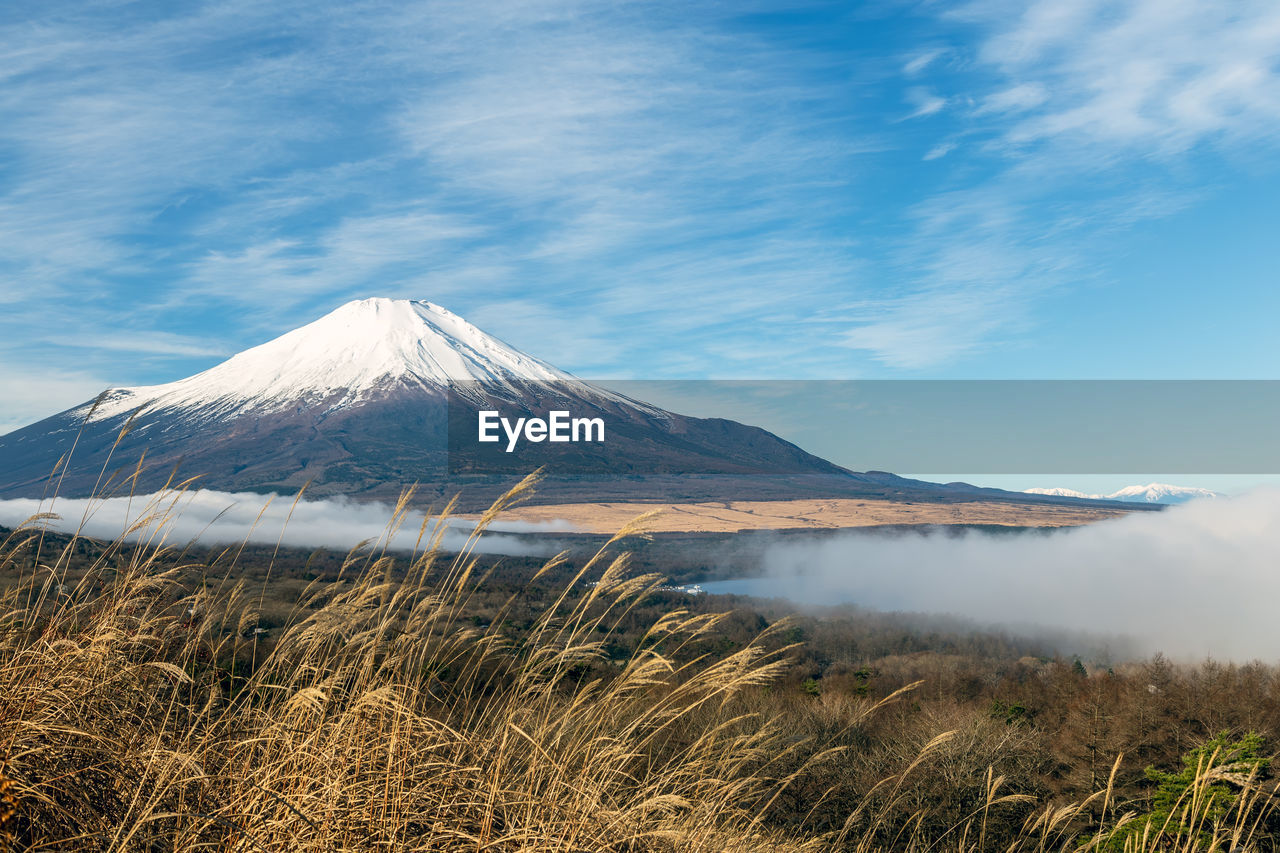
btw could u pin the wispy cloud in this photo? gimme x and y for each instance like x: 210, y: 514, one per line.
x: 925, y: 103
x: 141, y: 341
x: 1078, y: 120
x: 937, y: 152
x: 920, y: 61
x: 639, y: 175
x: 1023, y: 96
x: 247, y: 162
x: 1154, y: 78
x: 111, y: 127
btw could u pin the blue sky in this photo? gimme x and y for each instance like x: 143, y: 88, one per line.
x: 645, y: 189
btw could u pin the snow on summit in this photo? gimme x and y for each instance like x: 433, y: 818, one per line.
x: 361, y: 347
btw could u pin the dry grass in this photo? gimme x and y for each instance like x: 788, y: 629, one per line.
x: 379, y: 720
x: 383, y: 719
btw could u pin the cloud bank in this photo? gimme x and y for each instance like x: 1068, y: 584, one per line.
x: 224, y: 518
x: 1196, y: 580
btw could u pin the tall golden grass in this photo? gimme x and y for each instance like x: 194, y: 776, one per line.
x: 139, y: 712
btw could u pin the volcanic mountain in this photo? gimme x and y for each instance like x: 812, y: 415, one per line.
x: 361, y: 402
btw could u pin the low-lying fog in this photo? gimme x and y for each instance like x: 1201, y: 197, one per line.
x: 223, y: 518
x: 1193, y: 580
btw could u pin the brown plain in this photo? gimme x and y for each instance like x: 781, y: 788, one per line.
x: 731, y: 516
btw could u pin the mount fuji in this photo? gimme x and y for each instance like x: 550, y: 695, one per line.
x: 359, y: 403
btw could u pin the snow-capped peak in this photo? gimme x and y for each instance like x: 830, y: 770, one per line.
x: 1061, y: 493
x: 1160, y: 493
x: 340, y: 358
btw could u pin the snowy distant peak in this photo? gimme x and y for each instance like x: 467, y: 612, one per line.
x: 359, y: 348
x: 1161, y: 493
x: 1062, y: 493
x: 1158, y: 493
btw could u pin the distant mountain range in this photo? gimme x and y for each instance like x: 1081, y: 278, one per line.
x: 360, y: 402
x: 1152, y: 493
